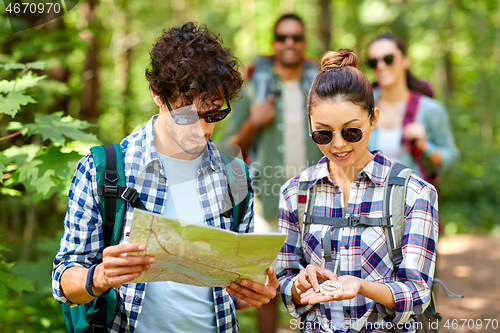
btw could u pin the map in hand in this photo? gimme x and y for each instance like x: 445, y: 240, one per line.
x: 201, y: 255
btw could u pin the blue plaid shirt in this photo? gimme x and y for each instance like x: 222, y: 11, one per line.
x: 83, y: 241
x: 361, y: 252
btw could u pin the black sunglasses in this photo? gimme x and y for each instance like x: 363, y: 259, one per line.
x: 324, y: 136
x: 187, y: 116
x: 282, y: 38
x: 373, y: 62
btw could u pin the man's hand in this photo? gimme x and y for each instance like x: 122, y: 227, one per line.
x: 309, y: 279
x: 253, y: 293
x: 262, y: 114
x: 117, y: 268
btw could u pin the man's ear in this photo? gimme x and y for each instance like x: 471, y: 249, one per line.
x: 156, y: 98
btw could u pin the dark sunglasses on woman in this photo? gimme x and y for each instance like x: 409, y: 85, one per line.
x: 373, y: 62
x: 188, y: 115
x: 324, y: 136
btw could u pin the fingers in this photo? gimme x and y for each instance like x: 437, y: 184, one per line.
x: 251, y: 292
x: 272, y: 280
x: 313, y: 297
x: 117, y: 250
x: 313, y: 279
x: 117, y: 267
x: 254, y: 293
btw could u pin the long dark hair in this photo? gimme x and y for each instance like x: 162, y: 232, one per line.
x: 412, y: 82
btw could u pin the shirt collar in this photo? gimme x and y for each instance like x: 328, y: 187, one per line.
x: 376, y: 170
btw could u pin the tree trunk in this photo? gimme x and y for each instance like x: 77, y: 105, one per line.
x: 90, y: 91
x: 325, y: 28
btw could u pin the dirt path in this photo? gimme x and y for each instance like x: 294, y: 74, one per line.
x: 470, y: 266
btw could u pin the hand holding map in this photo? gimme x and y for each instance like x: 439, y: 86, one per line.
x: 201, y: 255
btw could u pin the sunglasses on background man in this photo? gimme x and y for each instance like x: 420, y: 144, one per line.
x: 282, y: 38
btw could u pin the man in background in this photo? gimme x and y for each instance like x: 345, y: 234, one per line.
x: 270, y: 126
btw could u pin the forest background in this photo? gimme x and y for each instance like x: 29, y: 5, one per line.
x: 79, y: 80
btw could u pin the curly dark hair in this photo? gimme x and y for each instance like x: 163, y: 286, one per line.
x: 190, y: 61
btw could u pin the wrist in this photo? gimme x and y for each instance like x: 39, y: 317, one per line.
x: 92, y: 285
x: 89, y: 283
x: 429, y: 150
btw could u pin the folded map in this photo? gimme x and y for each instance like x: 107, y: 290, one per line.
x: 201, y: 255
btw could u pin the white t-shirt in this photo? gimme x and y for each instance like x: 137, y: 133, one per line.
x: 170, y: 306
x: 294, y: 156
x: 389, y: 142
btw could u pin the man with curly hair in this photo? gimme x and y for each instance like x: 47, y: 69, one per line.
x: 178, y: 172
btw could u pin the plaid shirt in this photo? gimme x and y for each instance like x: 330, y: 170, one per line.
x: 362, y: 251
x: 83, y: 241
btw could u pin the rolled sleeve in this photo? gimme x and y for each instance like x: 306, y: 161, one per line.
x: 412, y: 288
x: 440, y: 133
x: 82, y: 241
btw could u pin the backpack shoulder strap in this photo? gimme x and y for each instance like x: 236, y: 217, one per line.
x: 108, y: 161
x: 411, y: 107
x: 395, y: 186
x: 305, y: 199
x: 238, y: 176
x: 112, y: 190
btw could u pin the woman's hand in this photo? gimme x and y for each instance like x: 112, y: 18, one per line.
x: 350, y: 288
x: 416, y: 132
x: 309, y: 278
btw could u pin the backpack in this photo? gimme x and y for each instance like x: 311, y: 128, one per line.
x: 395, y: 186
x: 97, y: 315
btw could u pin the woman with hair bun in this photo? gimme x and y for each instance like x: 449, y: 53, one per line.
x: 413, y: 128
x: 349, y: 182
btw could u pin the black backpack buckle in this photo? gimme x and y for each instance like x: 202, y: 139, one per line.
x: 129, y: 194
x: 353, y: 221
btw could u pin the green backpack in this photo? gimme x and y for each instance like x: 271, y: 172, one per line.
x: 395, y: 186
x: 97, y: 315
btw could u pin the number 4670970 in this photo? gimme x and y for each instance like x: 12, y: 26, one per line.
x: 30, y: 7
x: 471, y: 323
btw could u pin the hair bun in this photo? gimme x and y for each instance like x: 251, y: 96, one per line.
x: 341, y: 58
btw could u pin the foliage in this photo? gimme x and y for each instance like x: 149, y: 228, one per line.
x: 41, y: 165
x: 43, y: 169
x: 9, y: 280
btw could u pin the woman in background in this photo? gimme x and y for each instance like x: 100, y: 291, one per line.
x: 413, y: 128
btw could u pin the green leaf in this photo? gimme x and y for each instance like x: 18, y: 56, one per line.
x: 63, y: 164
x: 36, y: 65
x: 10, y: 192
x: 13, y: 66
x: 26, y: 81
x: 14, y: 282
x: 49, y: 172
x: 2, y: 169
x: 12, y: 103
x: 56, y: 128
x: 20, y: 155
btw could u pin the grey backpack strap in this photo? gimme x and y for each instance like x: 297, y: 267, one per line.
x: 305, y: 204
x: 394, y: 202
